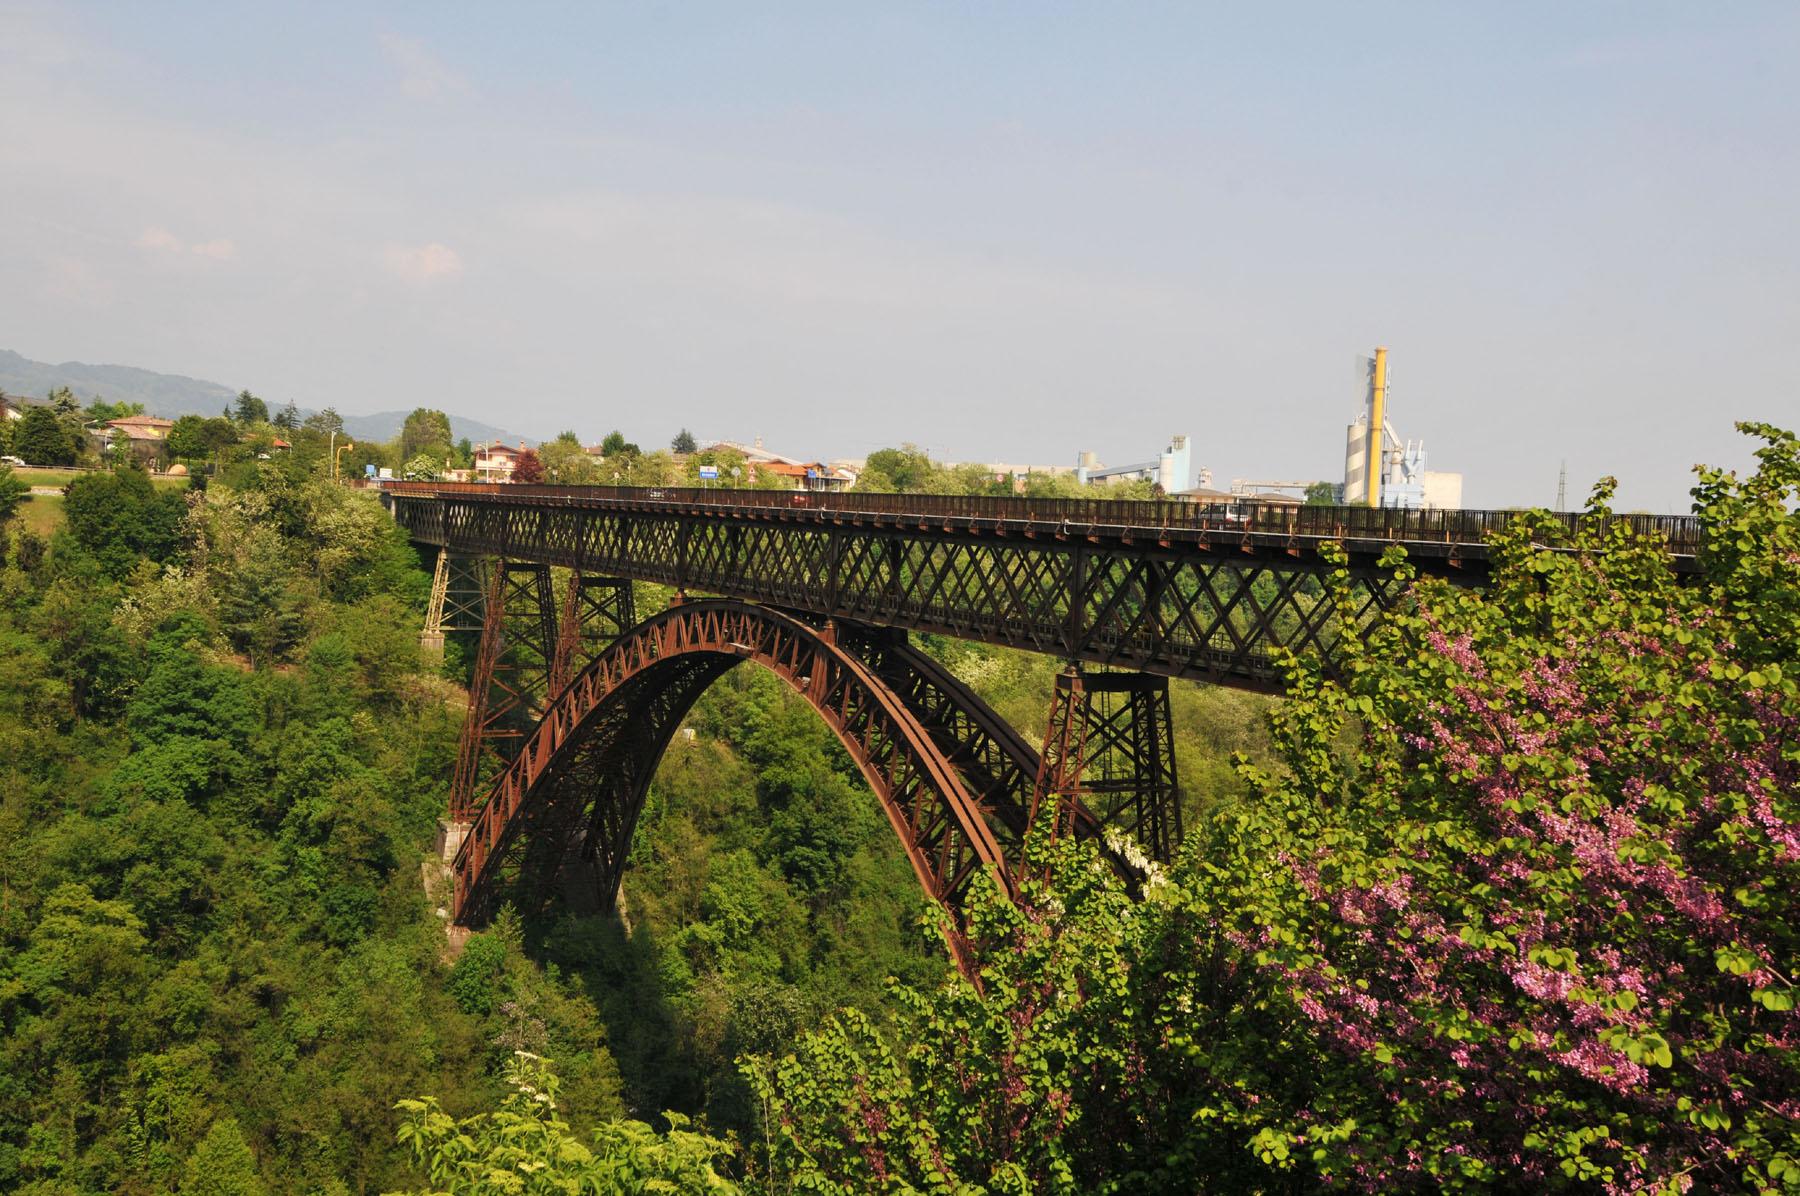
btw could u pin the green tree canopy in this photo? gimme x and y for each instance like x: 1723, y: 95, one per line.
x: 425, y: 430
x: 566, y: 463
x: 196, y: 436
x: 906, y: 469
x: 119, y: 516
x: 248, y: 409
x: 485, y: 1155
x: 422, y: 467
x: 325, y: 422
x: 222, y: 1165
x: 13, y: 490
x: 42, y: 440
x: 101, y: 411
x: 684, y: 442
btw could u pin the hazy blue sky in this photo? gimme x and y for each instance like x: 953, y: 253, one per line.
x: 1007, y: 232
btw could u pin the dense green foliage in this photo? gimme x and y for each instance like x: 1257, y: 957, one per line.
x: 221, y: 761
x: 43, y: 439
x: 524, y: 1147
x: 119, y: 517
x: 1519, y: 913
x: 13, y: 490
x: 1508, y: 905
x: 217, y: 968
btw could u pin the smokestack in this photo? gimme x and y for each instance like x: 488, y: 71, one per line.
x: 1377, y: 463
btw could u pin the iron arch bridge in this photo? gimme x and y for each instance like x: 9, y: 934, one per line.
x: 574, y: 699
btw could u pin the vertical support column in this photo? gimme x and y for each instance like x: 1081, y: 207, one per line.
x: 431, y: 639
x: 1109, y: 752
x: 595, y: 612
x: 511, y: 679
x: 458, y: 598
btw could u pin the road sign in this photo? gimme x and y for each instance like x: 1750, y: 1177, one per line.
x: 709, y: 472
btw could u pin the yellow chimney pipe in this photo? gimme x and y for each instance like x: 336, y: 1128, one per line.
x: 1377, y: 428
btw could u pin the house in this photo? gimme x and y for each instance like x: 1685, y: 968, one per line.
x: 141, y: 428
x: 144, y: 436
x: 810, y: 475
x: 496, y: 462
x: 801, y: 475
x: 754, y: 454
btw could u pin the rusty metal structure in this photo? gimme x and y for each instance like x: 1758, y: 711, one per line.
x: 573, y: 702
x: 512, y: 676
x: 1109, y: 757
x: 561, y: 814
x: 458, y: 598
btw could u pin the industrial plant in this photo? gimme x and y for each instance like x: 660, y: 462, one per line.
x: 1173, y: 470
x: 1398, y: 477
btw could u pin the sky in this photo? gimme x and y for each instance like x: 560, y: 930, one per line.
x: 1005, y: 232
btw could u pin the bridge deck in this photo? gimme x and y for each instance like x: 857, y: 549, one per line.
x: 1184, y: 589
x: 1429, y: 533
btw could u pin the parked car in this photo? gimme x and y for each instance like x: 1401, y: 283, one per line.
x: 16, y: 462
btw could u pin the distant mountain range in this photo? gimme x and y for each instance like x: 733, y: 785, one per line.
x: 173, y: 395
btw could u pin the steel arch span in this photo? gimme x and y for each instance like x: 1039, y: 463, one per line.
x: 562, y: 813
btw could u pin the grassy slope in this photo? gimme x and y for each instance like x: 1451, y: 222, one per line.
x: 62, y: 477
x: 40, y: 513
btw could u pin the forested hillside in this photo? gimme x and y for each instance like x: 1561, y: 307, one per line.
x: 1508, y: 905
x: 223, y: 758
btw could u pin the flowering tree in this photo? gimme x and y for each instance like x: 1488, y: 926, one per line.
x: 421, y: 467
x: 1519, y: 912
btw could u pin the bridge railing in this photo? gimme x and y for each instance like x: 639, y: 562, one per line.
x: 1682, y: 532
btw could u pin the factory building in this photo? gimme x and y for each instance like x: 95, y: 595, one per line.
x: 1398, y: 477
x: 1173, y: 470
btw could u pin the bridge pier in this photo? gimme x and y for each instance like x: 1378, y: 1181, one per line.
x: 450, y: 838
x: 457, y: 598
x: 529, y: 651
x: 511, y: 678
x: 1109, y: 749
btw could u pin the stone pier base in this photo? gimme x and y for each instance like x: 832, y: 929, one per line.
x: 440, y: 886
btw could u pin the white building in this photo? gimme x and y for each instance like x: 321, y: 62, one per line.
x: 1173, y: 470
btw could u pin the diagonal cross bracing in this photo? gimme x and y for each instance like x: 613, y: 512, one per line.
x: 1198, y: 602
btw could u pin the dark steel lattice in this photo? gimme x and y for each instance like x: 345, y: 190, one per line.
x: 511, y: 678
x: 1109, y: 755
x: 1190, y: 603
x: 595, y: 612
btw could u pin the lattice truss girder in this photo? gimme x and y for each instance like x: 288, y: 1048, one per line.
x: 1213, y: 613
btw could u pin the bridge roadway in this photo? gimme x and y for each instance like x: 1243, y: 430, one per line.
x: 1200, y: 591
